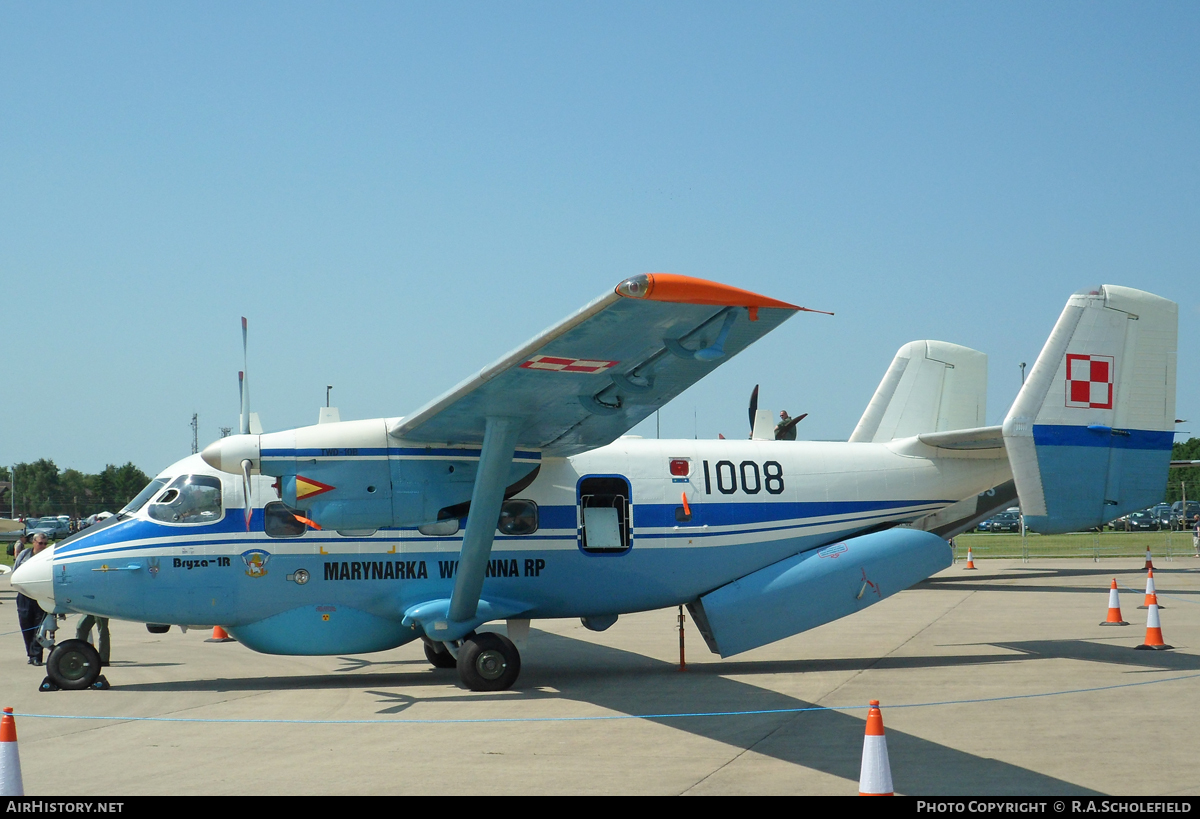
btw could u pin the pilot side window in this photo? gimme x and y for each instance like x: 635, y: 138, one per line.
x: 189, y: 499
x: 280, y: 521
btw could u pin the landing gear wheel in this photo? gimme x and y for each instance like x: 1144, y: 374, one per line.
x: 439, y: 659
x: 73, y: 665
x: 488, y: 662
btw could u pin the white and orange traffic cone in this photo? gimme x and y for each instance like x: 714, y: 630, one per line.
x: 1151, y: 594
x: 1149, y: 562
x: 1114, y: 607
x: 10, y: 760
x: 220, y: 636
x: 1154, y: 638
x: 970, y: 560
x: 875, y: 778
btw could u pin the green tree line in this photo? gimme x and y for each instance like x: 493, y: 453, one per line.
x: 42, y: 489
x: 1189, y: 450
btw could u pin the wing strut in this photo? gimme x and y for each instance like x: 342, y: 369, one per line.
x: 499, y: 443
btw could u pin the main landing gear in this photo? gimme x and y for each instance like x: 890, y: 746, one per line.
x: 486, y: 661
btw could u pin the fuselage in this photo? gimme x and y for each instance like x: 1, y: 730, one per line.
x: 636, y: 525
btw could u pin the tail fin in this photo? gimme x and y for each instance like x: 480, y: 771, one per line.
x: 932, y: 386
x: 1089, y: 436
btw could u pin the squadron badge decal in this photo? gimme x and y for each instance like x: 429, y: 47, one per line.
x: 256, y: 562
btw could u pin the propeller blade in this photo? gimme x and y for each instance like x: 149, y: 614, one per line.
x: 753, y: 407
x: 246, y: 490
x: 243, y: 381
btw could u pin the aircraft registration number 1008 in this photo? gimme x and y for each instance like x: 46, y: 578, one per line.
x: 747, y: 476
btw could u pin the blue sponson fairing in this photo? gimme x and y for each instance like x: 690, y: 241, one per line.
x: 817, y: 587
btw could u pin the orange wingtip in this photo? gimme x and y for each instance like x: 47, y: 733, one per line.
x: 687, y: 290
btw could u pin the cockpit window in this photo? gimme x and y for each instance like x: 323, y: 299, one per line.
x: 146, y: 494
x: 189, y: 499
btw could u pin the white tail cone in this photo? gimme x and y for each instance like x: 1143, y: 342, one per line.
x: 875, y: 779
x: 10, y: 760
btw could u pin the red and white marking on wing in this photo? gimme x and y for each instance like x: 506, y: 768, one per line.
x: 568, y: 365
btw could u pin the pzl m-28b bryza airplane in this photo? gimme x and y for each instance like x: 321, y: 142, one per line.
x: 514, y: 497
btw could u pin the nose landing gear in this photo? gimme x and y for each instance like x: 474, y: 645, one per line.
x: 73, y: 666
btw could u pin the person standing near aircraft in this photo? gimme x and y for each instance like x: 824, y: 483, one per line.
x: 1196, y: 535
x: 84, y: 630
x: 785, y: 430
x: 29, y: 613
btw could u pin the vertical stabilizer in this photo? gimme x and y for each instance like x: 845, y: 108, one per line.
x: 1089, y: 436
x: 931, y: 386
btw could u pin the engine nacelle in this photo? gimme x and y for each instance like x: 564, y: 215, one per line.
x: 817, y: 587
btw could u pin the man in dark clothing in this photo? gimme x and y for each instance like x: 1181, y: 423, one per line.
x: 29, y: 613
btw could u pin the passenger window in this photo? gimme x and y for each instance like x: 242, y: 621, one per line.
x: 518, y: 517
x: 189, y: 499
x: 280, y: 521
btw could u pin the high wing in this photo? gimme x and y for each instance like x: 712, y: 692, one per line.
x: 590, y: 378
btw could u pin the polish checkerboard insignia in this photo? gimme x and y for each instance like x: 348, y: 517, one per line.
x: 1090, y: 381
x: 568, y: 365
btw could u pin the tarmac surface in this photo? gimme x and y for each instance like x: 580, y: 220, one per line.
x: 992, y: 682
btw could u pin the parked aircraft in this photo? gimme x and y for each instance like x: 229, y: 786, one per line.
x: 514, y: 497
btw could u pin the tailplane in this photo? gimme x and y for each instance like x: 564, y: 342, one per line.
x: 1089, y: 436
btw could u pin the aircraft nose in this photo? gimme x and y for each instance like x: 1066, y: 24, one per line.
x: 35, y: 578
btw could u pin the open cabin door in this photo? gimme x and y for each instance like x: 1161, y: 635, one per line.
x: 605, y: 515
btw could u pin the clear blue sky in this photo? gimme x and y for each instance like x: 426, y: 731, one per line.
x: 395, y: 194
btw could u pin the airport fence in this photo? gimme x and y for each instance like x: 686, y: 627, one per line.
x: 1095, y: 545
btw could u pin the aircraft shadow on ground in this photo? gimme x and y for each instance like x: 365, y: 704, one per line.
x: 557, y: 668
x: 827, y: 741
x: 1097, y: 652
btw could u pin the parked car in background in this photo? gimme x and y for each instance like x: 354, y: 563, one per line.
x: 1006, y: 522
x: 1180, y: 520
x: 1141, y: 522
x: 1162, y: 513
x: 52, y: 528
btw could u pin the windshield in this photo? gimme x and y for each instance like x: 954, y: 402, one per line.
x: 189, y: 499
x: 143, y: 496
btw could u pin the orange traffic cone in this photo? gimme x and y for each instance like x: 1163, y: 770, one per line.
x: 970, y: 560
x: 1151, y: 595
x: 1114, y: 607
x: 220, y: 636
x: 10, y: 760
x: 875, y: 778
x: 1149, y: 562
x: 1154, y: 638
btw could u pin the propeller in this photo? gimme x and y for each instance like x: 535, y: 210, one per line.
x: 785, y: 431
x: 246, y: 464
x: 244, y: 389
x: 244, y: 384
x: 753, y: 407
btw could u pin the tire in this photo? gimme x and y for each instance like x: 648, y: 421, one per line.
x: 488, y: 662
x: 73, y: 665
x: 157, y: 628
x: 439, y: 659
